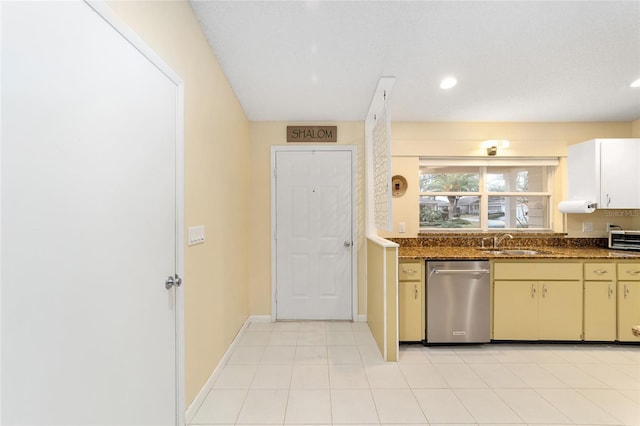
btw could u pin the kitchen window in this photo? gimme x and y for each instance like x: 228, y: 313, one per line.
x: 482, y: 195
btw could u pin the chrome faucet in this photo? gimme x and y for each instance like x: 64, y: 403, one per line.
x: 497, y: 240
x: 483, y: 240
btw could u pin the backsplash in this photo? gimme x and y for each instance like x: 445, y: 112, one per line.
x: 594, y: 225
x: 518, y: 241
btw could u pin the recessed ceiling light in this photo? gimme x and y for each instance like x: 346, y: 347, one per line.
x: 448, y: 83
x: 635, y: 83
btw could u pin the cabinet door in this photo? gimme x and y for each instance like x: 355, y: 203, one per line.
x: 619, y: 161
x: 599, y: 311
x: 410, y: 311
x: 560, y: 310
x: 628, y: 310
x: 515, y: 314
x: 583, y: 172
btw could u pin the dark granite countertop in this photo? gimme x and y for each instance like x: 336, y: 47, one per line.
x: 545, y: 252
x: 547, y: 246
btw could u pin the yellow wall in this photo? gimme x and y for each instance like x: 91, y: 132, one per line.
x: 405, y: 208
x: 216, y: 183
x: 410, y: 140
x: 635, y: 128
x: 263, y: 136
x: 382, y: 297
x: 599, y: 219
x: 534, y: 139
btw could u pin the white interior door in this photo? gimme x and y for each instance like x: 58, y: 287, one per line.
x: 313, y: 191
x: 89, y: 223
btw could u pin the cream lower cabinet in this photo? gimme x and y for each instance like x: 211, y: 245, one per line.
x: 560, y: 310
x: 537, y: 301
x: 515, y: 310
x: 600, y: 301
x: 411, y: 301
x: 628, y: 301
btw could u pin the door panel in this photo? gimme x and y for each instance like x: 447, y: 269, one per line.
x: 628, y: 310
x: 410, y: 311
x: 88, y: 223
x: 560, y: 310
x: 599, y: 310
x: 515, y: 314
x: 618, y: 164
x: 313, y: 222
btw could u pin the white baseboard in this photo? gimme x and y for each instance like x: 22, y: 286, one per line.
x: 362, y: 318
x: 202, y: 395
x: 259, y: 318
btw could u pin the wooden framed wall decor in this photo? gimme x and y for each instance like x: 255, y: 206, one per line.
x: 398, y: 186
x: 312, y: 133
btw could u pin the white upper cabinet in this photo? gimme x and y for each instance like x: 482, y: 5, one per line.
x: 605, y: 171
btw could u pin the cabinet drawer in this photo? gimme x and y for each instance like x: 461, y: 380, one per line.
x: 410, y: 271
x: 537, y: 271
x: 629, y: 271
x: 600, y: 271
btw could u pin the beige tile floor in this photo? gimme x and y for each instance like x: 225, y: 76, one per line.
x: 331, y: 373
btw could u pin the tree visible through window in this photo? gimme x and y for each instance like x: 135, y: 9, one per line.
x: 451, y: 185
x: 485, y: 197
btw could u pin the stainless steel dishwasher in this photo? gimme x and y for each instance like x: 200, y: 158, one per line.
x: 458, y: 301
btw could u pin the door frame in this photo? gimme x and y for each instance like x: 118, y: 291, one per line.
x: 102, y: 9
x: 354, y: 215
x: 107, y: 14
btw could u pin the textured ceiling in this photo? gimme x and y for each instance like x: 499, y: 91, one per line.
x: 514, y: 60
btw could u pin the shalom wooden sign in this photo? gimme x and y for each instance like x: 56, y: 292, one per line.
x: 312, y: 133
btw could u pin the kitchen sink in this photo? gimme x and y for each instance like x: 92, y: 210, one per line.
x: 491, y: 251
x: 513, y: 252
x: 524, y: 252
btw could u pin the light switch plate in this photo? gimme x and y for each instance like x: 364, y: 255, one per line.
x: 587, y: 226
x: 402, y: 227
x: 196, y: 235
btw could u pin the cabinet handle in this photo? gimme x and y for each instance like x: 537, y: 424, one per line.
x: 409, y: 271
x: 634, y: 272
x: 544, y: 290
x: 600, y: 272
x: 608, y: 200
x: 610, y: 291
x: 626, y: 291
x: 416, y: 292
x: 533, y: 291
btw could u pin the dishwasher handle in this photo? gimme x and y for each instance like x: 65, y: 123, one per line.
x: 459, y: 271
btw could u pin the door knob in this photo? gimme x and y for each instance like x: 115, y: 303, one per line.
x: 173, y: 281
x: 347, y: 243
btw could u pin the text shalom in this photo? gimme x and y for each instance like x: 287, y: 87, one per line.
x: 312, y: 133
